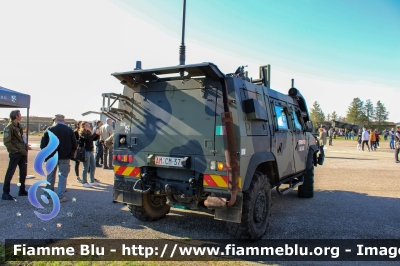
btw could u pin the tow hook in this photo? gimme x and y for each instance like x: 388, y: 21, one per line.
x: 142, y: 191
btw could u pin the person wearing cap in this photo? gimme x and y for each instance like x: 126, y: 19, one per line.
x: 107, y: 130
x: 65, y: 149
x: 17, y: 152
x: 99, y: 146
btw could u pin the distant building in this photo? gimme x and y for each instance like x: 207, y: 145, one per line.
x: 351, y: 126
x: 382, y: 125
x: 36, y: 123
x: 341, y: 125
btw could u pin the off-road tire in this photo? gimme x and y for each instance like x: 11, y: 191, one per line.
x: 256, y: 210
x: 152, y: 209
x: 307, y: 189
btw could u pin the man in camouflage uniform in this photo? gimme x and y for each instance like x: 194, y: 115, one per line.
x: 17, y: 150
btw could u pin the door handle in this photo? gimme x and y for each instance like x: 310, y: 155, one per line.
x: 280, y: 147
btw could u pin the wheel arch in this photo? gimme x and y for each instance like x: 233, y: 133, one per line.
x: 265, y: 163
x: 312, y: 156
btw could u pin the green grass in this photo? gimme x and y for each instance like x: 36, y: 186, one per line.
x: 2, y: 254
x: 342, y: 138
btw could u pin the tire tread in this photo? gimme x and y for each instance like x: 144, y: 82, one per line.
x: 243, y: 230
x: 147, y: 211
x: 307, y: 189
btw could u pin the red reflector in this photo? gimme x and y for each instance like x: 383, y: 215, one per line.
x: 119, y: 157
x: 114, y: 157
x: 130, y: 158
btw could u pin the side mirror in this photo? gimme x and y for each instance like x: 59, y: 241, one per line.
x: 309, y: 126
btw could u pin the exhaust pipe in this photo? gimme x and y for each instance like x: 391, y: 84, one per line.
x: 230, y: 156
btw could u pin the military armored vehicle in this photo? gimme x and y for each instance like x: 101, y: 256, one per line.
x: 210, y: 142
x: 193, y: 137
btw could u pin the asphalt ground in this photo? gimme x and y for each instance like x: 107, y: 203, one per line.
x: 357, y: 196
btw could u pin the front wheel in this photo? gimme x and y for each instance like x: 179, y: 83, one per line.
x: 256, y: 210
x: 307, y: 189
x: 153, y: 208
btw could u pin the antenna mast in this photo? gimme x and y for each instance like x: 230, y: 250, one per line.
x: 182, y: 48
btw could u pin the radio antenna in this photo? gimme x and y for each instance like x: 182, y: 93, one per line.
x: 182, y: 48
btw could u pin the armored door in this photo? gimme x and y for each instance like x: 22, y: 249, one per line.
x: 283, y: 138
x: 299, y: 139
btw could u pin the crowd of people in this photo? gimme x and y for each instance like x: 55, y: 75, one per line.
x: 85, y: 137
x: 69, y: 141
x: 370, y: 138
x: 102, y: 135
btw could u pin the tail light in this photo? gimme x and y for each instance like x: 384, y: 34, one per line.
x: 220, y: 166
x: 123, y: 158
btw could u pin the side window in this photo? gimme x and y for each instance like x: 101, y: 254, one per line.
x: 281, y: 118
x: 297, y: 124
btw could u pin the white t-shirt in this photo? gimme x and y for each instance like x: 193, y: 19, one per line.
x: 365, y: 135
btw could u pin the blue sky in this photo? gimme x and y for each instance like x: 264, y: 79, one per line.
x: 62, y: 53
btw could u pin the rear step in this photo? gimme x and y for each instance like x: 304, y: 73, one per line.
x: 294, y: 181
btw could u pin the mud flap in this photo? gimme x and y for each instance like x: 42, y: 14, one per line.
x: 232, y: 214
x: 123, y: 192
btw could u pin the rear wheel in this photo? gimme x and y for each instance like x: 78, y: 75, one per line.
x: 307, y: 189
x: 256, y: 210
x: 153, y: 208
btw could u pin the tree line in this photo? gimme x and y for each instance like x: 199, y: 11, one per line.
x: 358, y: 113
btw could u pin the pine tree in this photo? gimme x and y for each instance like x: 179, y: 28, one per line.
x: 334, y: 115
x: 316, y: 114
x: 328, y: 117
x: 369, y: 111
x: 381, y: 115
x: 355, y: 112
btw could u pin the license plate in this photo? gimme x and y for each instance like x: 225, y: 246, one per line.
x: 168, y: 161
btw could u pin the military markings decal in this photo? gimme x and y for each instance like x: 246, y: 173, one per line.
x: 127, y: 170
x: 218, y: 181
